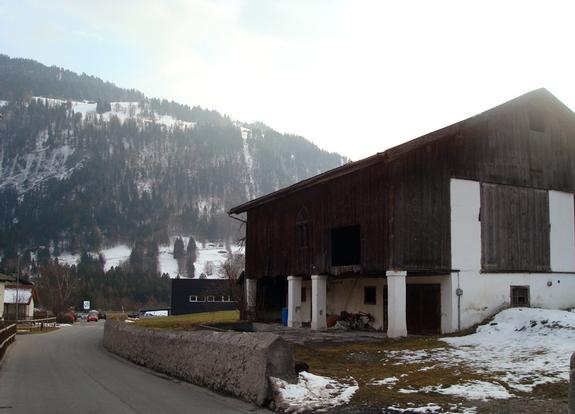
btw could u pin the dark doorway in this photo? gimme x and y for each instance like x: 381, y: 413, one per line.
x: 423, y: 309
x: 271, y: 297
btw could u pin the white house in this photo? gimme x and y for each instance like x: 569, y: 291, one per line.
x: 3, y: 280
x: 24, y: 296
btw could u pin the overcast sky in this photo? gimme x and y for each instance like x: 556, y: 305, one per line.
x: 356, y: 76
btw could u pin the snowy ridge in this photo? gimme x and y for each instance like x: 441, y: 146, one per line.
x: 121, y: 110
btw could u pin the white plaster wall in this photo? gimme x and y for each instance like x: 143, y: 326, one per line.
x: 485, y: 294
x: 562, y: 234
x: 30, y: 309
x: 347, y: 294
x: 1, y: 299
x: 465, y: 224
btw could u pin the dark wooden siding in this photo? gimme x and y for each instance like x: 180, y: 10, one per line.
x: 183, y: 288
x: 514, y: 229
x: 402, y: 203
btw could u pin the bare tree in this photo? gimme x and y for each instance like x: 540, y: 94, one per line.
x: 55, y: 285
x: 231, y: 270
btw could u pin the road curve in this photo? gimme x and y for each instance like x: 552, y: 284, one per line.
x: 68, y: 371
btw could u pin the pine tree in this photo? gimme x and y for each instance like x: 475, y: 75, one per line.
x: 192, y: 249
x: 179, y: 248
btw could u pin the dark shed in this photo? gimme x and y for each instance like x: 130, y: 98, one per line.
x: 201, y: 295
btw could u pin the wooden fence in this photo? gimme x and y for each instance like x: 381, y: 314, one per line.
x: 33, y: 325
x: 7, y: 335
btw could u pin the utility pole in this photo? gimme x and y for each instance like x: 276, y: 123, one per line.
x: 17, y: 288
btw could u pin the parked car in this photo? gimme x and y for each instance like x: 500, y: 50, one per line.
x: 92, y: 316
x: 101, y: 315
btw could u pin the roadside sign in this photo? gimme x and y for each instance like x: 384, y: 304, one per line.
x: 86, y: 305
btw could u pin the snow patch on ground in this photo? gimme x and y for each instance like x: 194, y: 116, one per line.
x: 311, y: 392
x: 385, y: 381
x: 473, y: 390
x: 520, y: 349
x: 431, y: 409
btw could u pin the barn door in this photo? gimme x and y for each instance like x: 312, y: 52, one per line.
x: 423, y: 309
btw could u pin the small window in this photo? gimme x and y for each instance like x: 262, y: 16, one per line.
x: 302, y: 224
x: 218, y: 298
x: 210, y: 298
x: 193, y: 298
x: 303, y: 294
x: 345, y: 246
x: 536, y: 121
x: 520, y: 296
x: 370, y: 295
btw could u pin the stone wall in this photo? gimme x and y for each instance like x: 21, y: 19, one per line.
x: 234, y: 363
x: 572, y: 385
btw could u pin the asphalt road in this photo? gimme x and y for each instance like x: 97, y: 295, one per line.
x: 68, y: 371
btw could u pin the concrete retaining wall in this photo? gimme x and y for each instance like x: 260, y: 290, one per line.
x: 235, y: 363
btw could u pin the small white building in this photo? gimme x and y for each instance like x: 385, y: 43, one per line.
x: 3, y: 280
x: 24, y: 296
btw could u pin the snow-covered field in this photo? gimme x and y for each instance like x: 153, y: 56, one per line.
x: 210, y: 256
x: 114, y: 256
x: 121, y: 110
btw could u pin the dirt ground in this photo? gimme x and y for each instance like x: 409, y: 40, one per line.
x: 363, y: 361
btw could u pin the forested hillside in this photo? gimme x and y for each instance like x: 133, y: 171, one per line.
x: 84, y: 163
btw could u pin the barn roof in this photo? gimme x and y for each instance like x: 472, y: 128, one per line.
x: 22, y: 295
x: 391, y: 154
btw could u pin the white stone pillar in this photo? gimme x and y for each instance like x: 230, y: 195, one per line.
x: 294, y: 301
x: 396, y: 304
x: 251, y: 290
x: 318, y: 302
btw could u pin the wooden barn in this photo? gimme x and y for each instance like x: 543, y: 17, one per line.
x: 431, y: 236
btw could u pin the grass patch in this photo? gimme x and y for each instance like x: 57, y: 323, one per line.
x: 33, y: 331
x: 189, y: 322
x: 369, y: 362
x: 116, y: 316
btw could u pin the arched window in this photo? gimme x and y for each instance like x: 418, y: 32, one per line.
x: 302, y: 224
